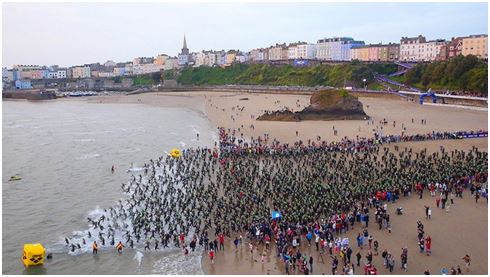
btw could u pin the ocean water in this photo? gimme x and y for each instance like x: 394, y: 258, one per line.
x: 64, y: 150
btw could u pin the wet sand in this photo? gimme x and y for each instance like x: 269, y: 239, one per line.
x: 462, y: 230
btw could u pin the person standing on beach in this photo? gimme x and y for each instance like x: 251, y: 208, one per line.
x: 221, y: 242
x: 317, y: 241
x: 358, y: 256
x: 349, y: 254
x: 311, y: 264
x: 236, y: 242
x: 335, y: 263
x: 119, y: 247
x: 404, y: 258
x: 95, y: 248
x: 215, y: 242
x: 360, y: 241
x: 428, y: 245
x: 211, y: 256
x: 467, y: 262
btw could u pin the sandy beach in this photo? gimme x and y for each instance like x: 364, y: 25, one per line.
x: 223, y: 109
x: 455, y: 233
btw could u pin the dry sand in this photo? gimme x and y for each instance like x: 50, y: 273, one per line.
x: 463, y: 230
x: 219, y: 109
x: 455, y: 233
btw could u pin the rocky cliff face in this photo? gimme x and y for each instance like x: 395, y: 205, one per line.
x: 324, y: 105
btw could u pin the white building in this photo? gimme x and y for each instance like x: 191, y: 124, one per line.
x: 211, y: 59
x: 430, y: 50
x: 292, y: 52
x: 306, y: 51
x: 200, y: 59
x: 61, y: 74
x: 410, y: 47
x: 336, y: 49
x: 52, y: 75
x: 418, y: 49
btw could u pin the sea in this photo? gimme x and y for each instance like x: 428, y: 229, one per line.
x: 63, y: 151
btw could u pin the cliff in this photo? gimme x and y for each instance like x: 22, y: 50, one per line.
x: 324, y: 105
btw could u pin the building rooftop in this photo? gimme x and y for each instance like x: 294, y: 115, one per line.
x: 406, y: 39
x: 335, y: 39
x: 476, y: 36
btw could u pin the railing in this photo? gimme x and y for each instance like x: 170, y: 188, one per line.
x: 406, y: 65
x: 401, y: 72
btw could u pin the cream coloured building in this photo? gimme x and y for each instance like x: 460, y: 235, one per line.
x: 230, y: 57
x: 146, y: 68
x: 81, y: 72
x: 476, y: 45
x: 160, y: 59
x: 278, y: 52
x: 360, y: 53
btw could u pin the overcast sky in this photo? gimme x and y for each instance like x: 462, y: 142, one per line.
x: 76, y: 33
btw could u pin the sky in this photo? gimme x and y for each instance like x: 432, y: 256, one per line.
x: 69, y: 34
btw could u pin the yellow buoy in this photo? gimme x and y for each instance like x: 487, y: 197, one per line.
x: 175, y: 153
x: 33, y: 254
x: 15, y: 178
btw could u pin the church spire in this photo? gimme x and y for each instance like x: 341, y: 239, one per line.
x: 185, y: 50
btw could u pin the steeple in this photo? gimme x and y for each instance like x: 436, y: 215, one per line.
x: 185, y: 50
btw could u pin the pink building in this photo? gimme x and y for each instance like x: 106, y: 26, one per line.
x: 36, y: 74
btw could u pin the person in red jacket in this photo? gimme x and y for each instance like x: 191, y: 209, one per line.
x: 221, y: 239
x: 211, y: 256
x: 428, y: 245
x: 182, y: 239
x: 267, y: 241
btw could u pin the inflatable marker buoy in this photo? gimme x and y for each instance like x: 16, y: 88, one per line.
x: 175, y: 153
x: 33, y: 254
x: 15, y: 178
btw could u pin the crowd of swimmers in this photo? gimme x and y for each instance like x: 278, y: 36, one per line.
x: 320, y: 189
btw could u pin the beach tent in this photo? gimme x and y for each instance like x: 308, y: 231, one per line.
x: 276, y: 215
